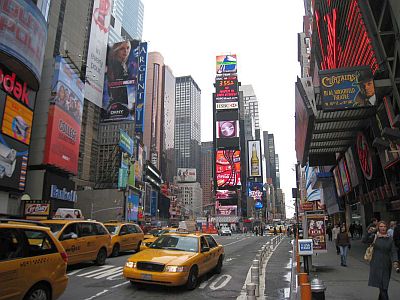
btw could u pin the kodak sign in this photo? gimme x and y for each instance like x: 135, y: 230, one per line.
x: 19, y: 90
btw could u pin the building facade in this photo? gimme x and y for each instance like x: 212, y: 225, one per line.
x: 190, y: 197
x: 206, y: 173
x: 251, y: 103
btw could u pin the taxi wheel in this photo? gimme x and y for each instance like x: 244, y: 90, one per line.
x: 192, y: 279
x: 101, y: 257
x: 38, y: 292
x: 115, y: 251
x: 218, y: 267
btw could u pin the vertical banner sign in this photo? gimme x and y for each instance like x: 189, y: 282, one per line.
x: 132, y: 207
x: 141, y: 88
x: 254, y: 158
x: 317, y: 232
x: 97, y: 52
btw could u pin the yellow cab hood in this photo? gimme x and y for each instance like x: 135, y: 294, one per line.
x: 163, y: 256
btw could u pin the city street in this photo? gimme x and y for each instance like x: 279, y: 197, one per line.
x: 87, y: 281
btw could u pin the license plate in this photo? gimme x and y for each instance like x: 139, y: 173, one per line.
x: 145, y: 276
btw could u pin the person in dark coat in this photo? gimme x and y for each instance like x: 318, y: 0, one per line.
x: 275, y: 231
x: 343, y: 241
x: 383, y: 257
x: 329, y: 232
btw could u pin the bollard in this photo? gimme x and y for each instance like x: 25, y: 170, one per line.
x: 251, y: 291
x: 298, y: 263
x: 317, y: 289
x: 256, y: 263
x: 305, y: 291
x: 258, y: 257
x: 255, y: 278
x: 302, y: 278
x: 261, y: 261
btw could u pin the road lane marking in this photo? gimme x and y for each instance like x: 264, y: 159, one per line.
x: 118, y: 285
x: 234, y: 242
x: 96, y: 270
x: 222, y: 284
x: 106, y: 273
x: 205, y: 283
x: 73, y: 272
x: 97, y: 295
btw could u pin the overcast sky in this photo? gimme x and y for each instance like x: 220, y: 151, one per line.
x: 262, y: 33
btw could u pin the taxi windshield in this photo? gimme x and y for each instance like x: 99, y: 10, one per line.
x: 55, y: 228
x: 113, y: 229
x: 176, y: 242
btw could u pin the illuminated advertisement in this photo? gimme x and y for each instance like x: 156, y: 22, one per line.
x: 97, y: 51
x: 23, y: 34
x: 120, y: 85
x: 226, y: 89
x: 132, y: 207
x: 226, y: 64
x: 64, y: 118
x: 186, y: 175
x: 227, y: 168
x: 226, y: 210
x: 344, y: 175
x: 227, y: 129
x: 227, y: 105
x: 141, y: 88
x: 254, y: 158
x: 255, y: 190
x: 347, y: 88
x: 17, y: 121
x: 225, y: 195
x: 317, y: 232
x: 36, y: 208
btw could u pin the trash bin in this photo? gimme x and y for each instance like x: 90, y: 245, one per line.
x: 317, y: 289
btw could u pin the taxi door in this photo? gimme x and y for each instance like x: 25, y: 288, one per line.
x: 214, y: 250
x: 136, y: 236
x: 205, y: 257
x: 69, y: 238
x: 125, y: 238
x: 88, y: 241
x: 11, y: 263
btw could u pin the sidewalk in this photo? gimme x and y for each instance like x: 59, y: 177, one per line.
x: 349, y: 282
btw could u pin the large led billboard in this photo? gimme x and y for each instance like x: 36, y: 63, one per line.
x: 120, y: 83
x: 226, y: 210
x: 255, y: 190
x: 64, y: 119
x: 97, y: 51
x: 226, y: 89
x: 227, y: 168
x: 347, y: 88
x: 254, y: 158
x: 227, y: 129
x: 226, y: 64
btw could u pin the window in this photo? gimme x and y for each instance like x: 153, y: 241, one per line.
x: 70, y: 230
x: 124, y: 230
x: 203, y: 243
x: 11, y: 245
x: 100, y: 229
x: 86, y: 229
x: 39, y: 243
x: 211, y: 241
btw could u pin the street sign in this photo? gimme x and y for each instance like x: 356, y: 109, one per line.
x: 305, y: 247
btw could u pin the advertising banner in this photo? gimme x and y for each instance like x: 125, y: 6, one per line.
x: 139, y: 164
x: 228, y: 168
x: 227, y: 129
x: 186, y: 175
x: 225, y: 195
x: 125, y: 142
x: 351, y: 165
x: 132, y: 207
x: 125, y: 160
x: 255, y: 190
x: 338, y: 182
x: 226, y: 64
x: 141, y: 88
x: 226, y: 105
x: 312, y: 194
x: 228, y: 210
x: 317, y: 232
x: 226, y: 89
x: 347, y: 88
x: 254, y: 158
x: 120, y: 85
x: 97, y: 51
x: 122, y: 178
x: 344, y: 175
x: 23, y: 34
x: 37, y: 208
x: 17, y: 121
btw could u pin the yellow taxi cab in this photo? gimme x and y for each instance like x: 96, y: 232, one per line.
x: 83, y: 240
x: 33, y: 263
x: 154, y: 234
x: 175, y: 259
x: 124, y: 236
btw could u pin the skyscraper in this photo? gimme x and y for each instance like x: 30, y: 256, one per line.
x: 251, y: 103
x: 126, y: 20
x: 270, y: 159
x: 187, y: 123
x: 206, y: 172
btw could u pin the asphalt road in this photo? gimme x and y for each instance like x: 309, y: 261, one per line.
x: 87, y: 281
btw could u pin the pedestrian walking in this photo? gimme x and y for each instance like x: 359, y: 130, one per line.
x: 256, y: 231
x: 343, y: 241
x: 352, y: 229
x: 360, y: 231
x: 392, y: 226
x: 335, y: 232
x: 329, y: 232
x: 275, y: 232
x: 383, y: 258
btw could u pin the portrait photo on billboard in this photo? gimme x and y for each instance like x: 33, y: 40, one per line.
x: 347, y: 88
x: 120, y: 84
x: 226, y: 64
x: 13, y: 163
x: 254, y: 158
x: 17, y: 120
x: 228, y: 168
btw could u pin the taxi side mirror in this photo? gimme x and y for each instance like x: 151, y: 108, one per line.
x: 205, y: 249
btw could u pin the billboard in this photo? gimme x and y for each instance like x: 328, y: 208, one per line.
x: 227, y: 168
x: 254, y: 158
x: 139, y: 164
x: 120, y: 83
x: 132, y: 207
x: 186, y: 175
x: 255, y: 190
x: 125, y: 142
x: 225, y: 195
x: 23, y: 34
x: 227, y: 129
x: 36, y: 208
x: 351, y: 165
x: 312, y: 194
x: 347, y: 88
x: 226, y: 89
x: 141, y: 88
x: 226, y: 64
x: 97, y: 51
x: 17, y: 121
x: 64, y: 118
x: 227, y: 105
x: 227, y: 210
x: 338, y: 182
